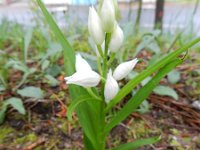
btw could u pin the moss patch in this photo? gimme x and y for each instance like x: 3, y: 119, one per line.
x: 4, y: 132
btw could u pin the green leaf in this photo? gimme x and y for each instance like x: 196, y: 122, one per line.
x: 31, y: 91
x: 144, y: 107
x: 149, y: 43
x: 75, y: 103
x: 141, y: 95
x: 2, y: 114
x: 174, y: 76
x: 17, y: 104
x: 137, y: 144
x: 27, y: 41
x: 166, y: 91
x: 45, y: 64
x: 18, y: 65
x: 52, y: 81
x: 2, y: 88
x: 150, y: 70
x: 54, y: 70
x: 68, y: 51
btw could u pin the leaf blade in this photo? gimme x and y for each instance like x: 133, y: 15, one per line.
x: 137, y: 144
x: 166, y: 91
x: 75, y: 103
x: 141, y: 95
x: 31, y: 91
x: 151, y: 69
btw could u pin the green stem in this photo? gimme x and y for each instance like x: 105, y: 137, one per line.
x: 100, y: 50
x: 105, y: 65
x: 89, y: 90
x: 102, y: 135
x: 99, y: 66
x: 112, y: 57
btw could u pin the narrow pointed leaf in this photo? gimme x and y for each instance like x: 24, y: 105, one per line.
x: 151, y: 69
x: 2, y: 114
x: 75, y: 103
x: 17, y: 104
x: 137, y: 144
x: 141, y: 95
x: 68, y: 51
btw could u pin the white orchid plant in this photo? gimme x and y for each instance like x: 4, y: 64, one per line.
x: 95, y: 94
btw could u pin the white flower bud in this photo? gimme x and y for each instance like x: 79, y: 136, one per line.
x: 124, y: 69
x: 95, y: 26
x: 116, y: 39
x: 107, y: 14
x: 111, y: 87
x: 85, y: 79
x: 82, y: 64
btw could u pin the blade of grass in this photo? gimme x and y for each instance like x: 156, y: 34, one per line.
x: 151, y: 69
x: 141, y: 95
x: 137, y: 144
x: 75, y: 103
x: 69, y: 55
x: 27, y: 40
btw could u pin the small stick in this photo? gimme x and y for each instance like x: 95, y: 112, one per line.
x: 34, y: 145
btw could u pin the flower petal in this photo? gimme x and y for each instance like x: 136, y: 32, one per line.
x: 107, y: 14
x: 85, y: 79
x: 111, y: 88
x: 124, y: 69
x: 95, y: 26
x: 116, y: 39
x: 82, y: 64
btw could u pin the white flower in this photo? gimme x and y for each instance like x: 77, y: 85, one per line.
x: 116, y: 39
x: 82, y: 64
x: 124, y: 69
x: 111, y: 87
x: 107, y: 14
x: 85, y: 79
x: 84, y: 75
x: 95, y: 26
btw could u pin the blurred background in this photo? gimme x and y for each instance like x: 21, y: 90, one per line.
x: 176, y: 14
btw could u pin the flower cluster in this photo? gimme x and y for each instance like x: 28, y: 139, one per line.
x: 100, y: 24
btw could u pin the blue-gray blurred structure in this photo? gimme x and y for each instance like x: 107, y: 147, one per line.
x: 176, y: 15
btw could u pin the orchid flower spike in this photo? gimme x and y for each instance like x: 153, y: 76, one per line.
x: 84, y: 75
x: 116, y: 39
x: 111, y: 87
x: 107, y: 14
x: 95, y: 26
x: 124, y: 69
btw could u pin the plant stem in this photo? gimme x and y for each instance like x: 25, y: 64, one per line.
x: 105, y: 65
x: 89, y: 90
x: 112, y: 57
x: 100, y: 50
x: 102, y: 135
x: 99, y: 66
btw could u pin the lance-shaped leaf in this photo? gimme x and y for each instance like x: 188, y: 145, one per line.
x: 141, y: 95
x: 147, y: 72
x: 137, y: 144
